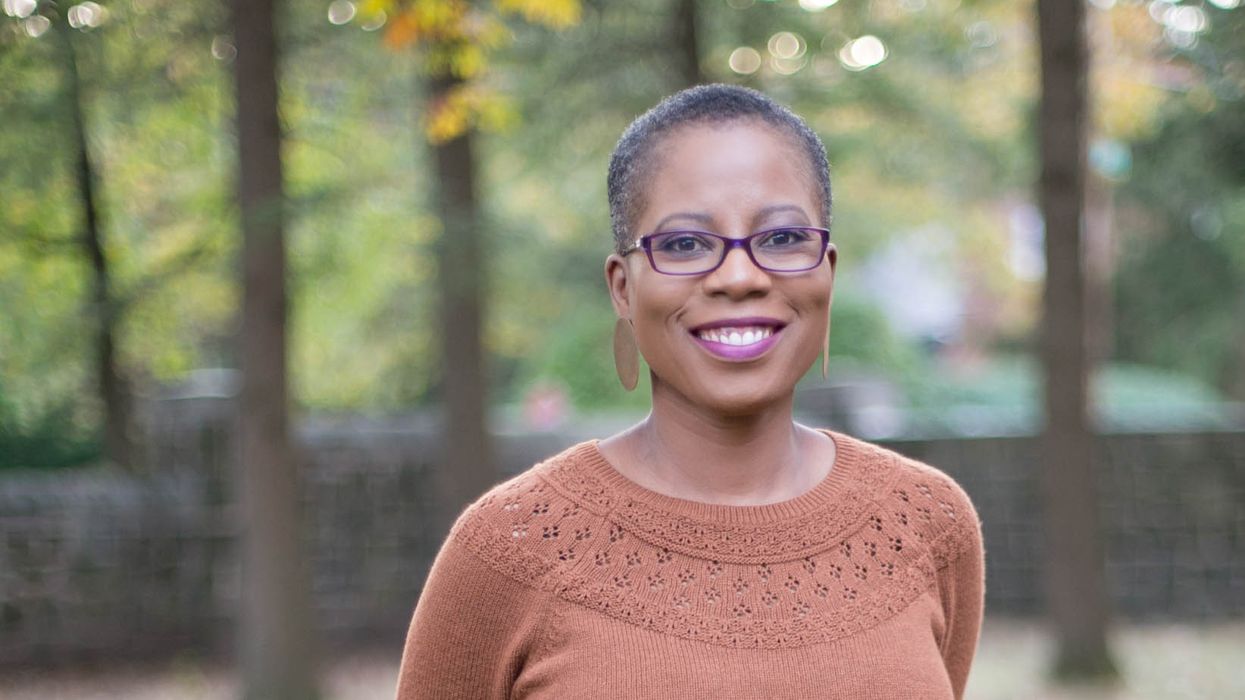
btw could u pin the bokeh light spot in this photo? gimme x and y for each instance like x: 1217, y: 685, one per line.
x: 816, y: 5
x: 374, y: 22
x: 786, y: 45
x: 223, y: 49
x: 981, y: 35
x: 1186, y: 19
x: 745, y: 60
x: 787, y: 66
x: 36, y: 25
x: 20, y: 9
x: 86, y: 15
x: 861, y: 53
x: 341, y: 11
x: 1180, y: 39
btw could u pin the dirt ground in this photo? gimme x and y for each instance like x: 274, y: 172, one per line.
x: 1167, y: 662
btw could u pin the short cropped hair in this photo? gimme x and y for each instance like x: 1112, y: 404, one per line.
x: 703, y: 104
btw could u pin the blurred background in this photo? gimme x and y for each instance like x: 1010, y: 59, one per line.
x: 430, y: 314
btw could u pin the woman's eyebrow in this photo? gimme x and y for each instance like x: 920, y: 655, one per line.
x: 707, y: 220
x: 703, y: 219
x: 769, y: 211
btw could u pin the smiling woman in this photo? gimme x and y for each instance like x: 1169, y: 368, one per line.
x: 717, y: 548
x: 734, y: 178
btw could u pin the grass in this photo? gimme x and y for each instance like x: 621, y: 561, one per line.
x: 1156, y: 662
x: 1001, y: 396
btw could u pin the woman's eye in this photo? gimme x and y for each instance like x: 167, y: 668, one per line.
x: 785, y: 237
x: 682, y: 244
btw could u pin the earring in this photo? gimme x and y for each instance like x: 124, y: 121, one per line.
x: 825, y: 351
x: 626, y: 354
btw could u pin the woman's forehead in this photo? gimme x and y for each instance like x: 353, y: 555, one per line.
x: 705, y: 168
x: 727, y: 130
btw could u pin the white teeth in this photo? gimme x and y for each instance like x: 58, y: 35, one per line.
x: 737, y: 336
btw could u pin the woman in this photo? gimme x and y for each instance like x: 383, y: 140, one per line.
x: 718, y: 548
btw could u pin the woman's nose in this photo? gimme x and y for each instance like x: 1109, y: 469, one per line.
x: 738, y: 276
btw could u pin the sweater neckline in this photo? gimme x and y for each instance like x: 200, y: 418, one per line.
x: 828, y: 491
x: 799, y: 527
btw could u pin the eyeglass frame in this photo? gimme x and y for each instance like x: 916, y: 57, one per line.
x: 645, y: 243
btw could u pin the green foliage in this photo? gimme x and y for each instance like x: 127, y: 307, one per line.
x: 935, y: 135
x: 1002, y: 396
x: 360, y: 266
x: 1180, y: 285
x: 53, y: 439
x: 860, y: 332
x: 152, y: 110
x: 579, y: 356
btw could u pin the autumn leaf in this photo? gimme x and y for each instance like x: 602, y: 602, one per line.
x: 557, y: 14
x: 465, y: 107
x: 402, y: 31
x: 456, y: 39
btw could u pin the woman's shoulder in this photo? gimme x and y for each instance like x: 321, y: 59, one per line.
x: 528, y: 526
x: 920, y: 497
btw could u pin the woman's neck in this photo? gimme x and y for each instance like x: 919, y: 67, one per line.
x: 681, y: 450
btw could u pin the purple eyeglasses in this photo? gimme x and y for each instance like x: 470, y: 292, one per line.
x: 783, y: 249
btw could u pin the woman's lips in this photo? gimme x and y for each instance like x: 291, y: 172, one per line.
x: 738, y: 343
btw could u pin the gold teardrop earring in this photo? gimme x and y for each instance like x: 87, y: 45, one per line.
x: 626, y: 354
x: 832, y: 256
x: 825, y: 350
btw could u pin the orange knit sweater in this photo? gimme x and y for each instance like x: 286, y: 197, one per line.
x: 571, y: 581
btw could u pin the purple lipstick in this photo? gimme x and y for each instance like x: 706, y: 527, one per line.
x: 738, y: 339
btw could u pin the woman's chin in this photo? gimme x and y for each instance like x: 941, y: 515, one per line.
x: 744, y: 408
x: 747, y: 399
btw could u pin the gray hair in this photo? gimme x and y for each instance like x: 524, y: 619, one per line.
x: 704, y: 104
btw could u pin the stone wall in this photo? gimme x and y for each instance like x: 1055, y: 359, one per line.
x: 96, y: 564
x: 1173, y: 515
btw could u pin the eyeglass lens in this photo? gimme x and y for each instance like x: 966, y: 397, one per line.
x: 781, y: 250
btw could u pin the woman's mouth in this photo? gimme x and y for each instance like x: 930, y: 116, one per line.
x: 746, y: 335
x: 742, y: 342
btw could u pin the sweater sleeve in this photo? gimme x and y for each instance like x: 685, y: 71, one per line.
x: 961, y: 586
x: 473, y: 626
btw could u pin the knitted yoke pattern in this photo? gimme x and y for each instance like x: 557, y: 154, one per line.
x: 878, y: 533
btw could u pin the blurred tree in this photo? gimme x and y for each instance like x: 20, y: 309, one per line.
x: 67, y: 236
x: 466, y: 443
x: 276, y: 625
x: 358, y: 251
x: 685, y: 41
x: 1180, y: 285
x: 102, y: 309
x: 455, y: 39
x: 935, y: 133
x: 1077, y: 595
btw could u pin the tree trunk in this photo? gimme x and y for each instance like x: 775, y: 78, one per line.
x: 1076, y: 588
x: 1235, y: 370
x: 102, y: 316
x: 276, y: 626
x: 684, y: 38
x: 467, y: 454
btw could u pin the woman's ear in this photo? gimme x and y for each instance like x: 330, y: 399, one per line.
x: 832, y: 254
x: 617, y: 280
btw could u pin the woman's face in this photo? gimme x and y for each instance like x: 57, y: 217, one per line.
x: 733, y: 180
